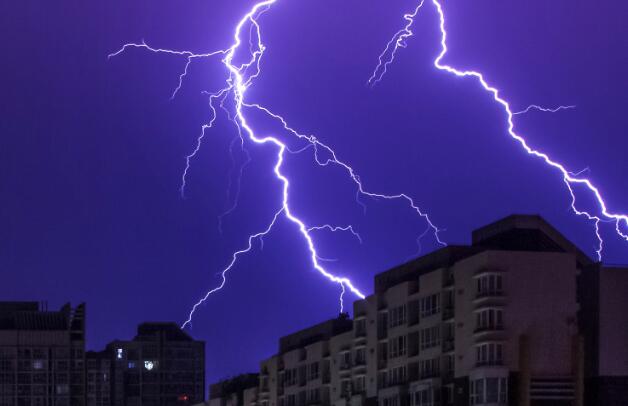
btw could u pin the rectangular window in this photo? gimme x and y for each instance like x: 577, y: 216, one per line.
x: 397, y: 346
x: 490, y: 354
x: 429, y: 368
x: 397, y: 316
x: 489, y: 390
x: 490, y: 319
x: 314, y: 395
x: 360, y: 356
x: 425, y: 397
x: 397, y: 376
x: 430, y: 305
x: 489, y: 285
x: 360, y: 327
x: 359, y: 384
x: 313, y: 371
x: 429, y: 337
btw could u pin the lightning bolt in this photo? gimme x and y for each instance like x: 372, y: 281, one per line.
x: 240, y: 77
x: 398, y: 41
x: 570, y: 179
x: 543, y: 109
x: 337, y: 228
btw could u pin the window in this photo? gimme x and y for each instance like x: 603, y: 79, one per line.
x: 290, y: 377
x: 131, y: 365
x: 150, y: 365
x: 360, y: 356
x: 390, y: 401
x: 359, y: 384
x: 345, y: 360
x: 430, y: 305
x: 429, y: 368
x: 489, y: 354
x: 449, y: 363
x: 360, y: 327
x: 314, y: 395
x: 345, y: 388
x: 119, y: 353
x: 397, y: 347
x: 397, y: 376
x: 382, y: 380
x: 313, y: 371
x: 490, y: 284
x: 397, y: 316
x: 429, y: 337
x: 489, y: 319
x: 489, y: 390
x: 425, y: 397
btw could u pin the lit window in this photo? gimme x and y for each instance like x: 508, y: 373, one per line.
x: 119, y: 353
x: 131, y: 365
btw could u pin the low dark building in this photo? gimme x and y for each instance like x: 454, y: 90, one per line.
x: 161, y: 366
x: 236, y: 391
x: 42, y: 355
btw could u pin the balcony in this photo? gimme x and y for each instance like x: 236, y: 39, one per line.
x: 489, y: 363
x: 489, y: 293
x: 498, y: 328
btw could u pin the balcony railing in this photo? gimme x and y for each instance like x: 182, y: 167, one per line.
x: 489, y: 293
x: 492, y: 362
x: 488, y: 329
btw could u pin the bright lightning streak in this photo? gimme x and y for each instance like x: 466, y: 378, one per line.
x: 334, y: 229
x: 240, y: 78
x: 569, y: 178
x: 398, y: 41
x: 543, y: 109
x: 333, y: 159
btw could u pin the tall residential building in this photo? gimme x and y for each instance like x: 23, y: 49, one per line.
x: 161, y: 366
x: 42, y: 355
x: 519, y: 317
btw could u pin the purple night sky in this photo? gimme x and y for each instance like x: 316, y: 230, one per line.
x: 92, y: 151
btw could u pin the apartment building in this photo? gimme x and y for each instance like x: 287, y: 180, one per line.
x: 519, y: 317
x: 42, y: 355
x: 161, y: 366
x: 237, y: 391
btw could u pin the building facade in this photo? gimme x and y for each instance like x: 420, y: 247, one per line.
x: 161, y: 366
x: 511, y: 319
x: 42, y: 355
x: 98, y: 378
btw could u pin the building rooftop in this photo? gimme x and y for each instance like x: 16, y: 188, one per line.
x: 513, y: 233
x: 234, y: 385
x: 30, y: 316
x: 318, y: 332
